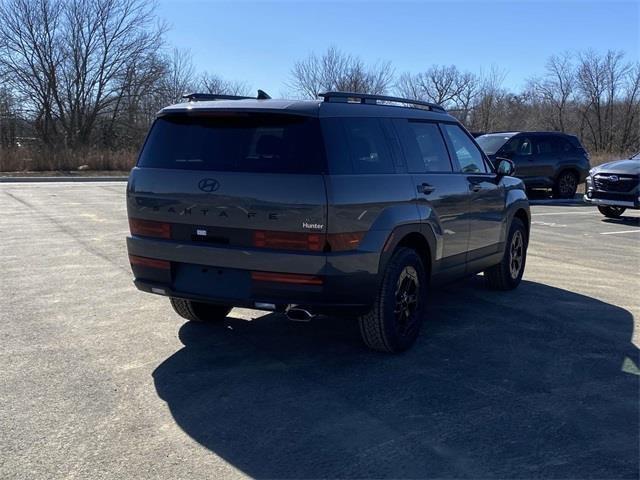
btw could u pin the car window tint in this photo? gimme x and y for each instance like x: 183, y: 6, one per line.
x: 518, y: 146
x: 424, y: 147
x: 553, y: 145
x: 235, y: 143
x: 468, y: 155
x: 367, y: 146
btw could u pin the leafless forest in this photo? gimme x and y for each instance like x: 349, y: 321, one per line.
x: 81, y: 80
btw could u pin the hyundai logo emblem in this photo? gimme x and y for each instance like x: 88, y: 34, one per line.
x: 613, y: 178
x: 208, y: 185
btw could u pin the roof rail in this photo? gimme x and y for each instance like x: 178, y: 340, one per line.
x: 353, y: 97
x: 195, y: 97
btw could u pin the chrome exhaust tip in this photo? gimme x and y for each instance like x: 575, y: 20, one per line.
x: 298, y: 314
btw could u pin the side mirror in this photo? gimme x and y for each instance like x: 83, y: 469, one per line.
x: 504, y: 167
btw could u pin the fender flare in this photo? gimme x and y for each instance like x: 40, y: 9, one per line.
x: 398, y: 234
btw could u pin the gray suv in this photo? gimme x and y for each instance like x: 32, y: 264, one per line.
x: 351, y: 205
x: 542, y: 159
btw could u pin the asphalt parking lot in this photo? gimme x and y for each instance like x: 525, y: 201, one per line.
x: 98, y: 380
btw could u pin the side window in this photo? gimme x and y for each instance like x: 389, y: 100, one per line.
x: 468, y: 155
x: 518, y: 146
x: 423, y: 147
x: 553, y: 145
x: 563, y: 145
x: 367, y: 146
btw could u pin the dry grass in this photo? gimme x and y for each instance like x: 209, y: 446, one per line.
x: 34, y: 160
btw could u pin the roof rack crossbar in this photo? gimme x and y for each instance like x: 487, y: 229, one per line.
x: 195, y: 97
x: 367, y: 98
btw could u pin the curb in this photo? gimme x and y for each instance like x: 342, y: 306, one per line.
x: 61, y: 179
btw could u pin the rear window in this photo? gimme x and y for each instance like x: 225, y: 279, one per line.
x: 235, y: 143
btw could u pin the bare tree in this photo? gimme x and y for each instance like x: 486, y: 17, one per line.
x: 335, y: 70
x: 599, y: 80
x: 556, y: 88
x: 67, y: 57
x: 490, y: 101
x: 179, y: 76
x: 439, y: 84
x: 211, y: 83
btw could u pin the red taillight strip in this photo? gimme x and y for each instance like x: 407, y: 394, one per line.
x: 149, y: 262
x: 313, y: 242
x: 286, y: 278
x: 149, y: 228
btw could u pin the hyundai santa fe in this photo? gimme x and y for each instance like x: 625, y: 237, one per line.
x: 352, y: 205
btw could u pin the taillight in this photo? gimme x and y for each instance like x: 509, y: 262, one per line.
x: 344, y: 241
x: 286, y: 278
x: 148, y: 228
x: 313, y: 242
x: 149, y: 262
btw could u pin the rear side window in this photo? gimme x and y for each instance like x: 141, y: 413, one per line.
x: 357, y: 145
x: 553, y: 145
x: 423, y: 146
x: 235, y: 143
x: 468, y: 155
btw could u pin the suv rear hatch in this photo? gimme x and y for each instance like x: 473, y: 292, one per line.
x: 230, y: 178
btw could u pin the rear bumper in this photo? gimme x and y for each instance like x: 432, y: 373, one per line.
x: 223, y: 275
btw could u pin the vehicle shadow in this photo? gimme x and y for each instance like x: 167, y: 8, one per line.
x: 523, y: 384
x: 623, y: 221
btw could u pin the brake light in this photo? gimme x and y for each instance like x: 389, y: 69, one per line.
x: 149, y: 262
x: 286, y: 278
x: 149, y: 228
x: 313, y: 242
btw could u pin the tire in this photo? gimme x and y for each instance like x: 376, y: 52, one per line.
x: 507, y: 274
x: 566, y: 185
x: 199, y: 311
x: 394, y: 321
x: 611, y: 211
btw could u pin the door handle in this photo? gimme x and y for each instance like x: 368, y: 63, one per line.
x: 475, y: 187
x: 426, y: 188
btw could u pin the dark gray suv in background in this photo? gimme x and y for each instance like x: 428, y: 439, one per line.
x: 352, y: 205
x: 542, y: 159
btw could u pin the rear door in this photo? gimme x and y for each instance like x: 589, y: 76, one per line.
x: 220, y: 178
x: 441, y: 194
x: 550, y: 150
x: 486, y: 194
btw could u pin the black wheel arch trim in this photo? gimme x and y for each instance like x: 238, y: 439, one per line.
x: 411, y: 231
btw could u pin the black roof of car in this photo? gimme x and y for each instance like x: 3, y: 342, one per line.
x: 317, y: 108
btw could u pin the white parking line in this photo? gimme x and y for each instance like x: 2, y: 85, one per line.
x: 621, y: 231
x: 590, y: 212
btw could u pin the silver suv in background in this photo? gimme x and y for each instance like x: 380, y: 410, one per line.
x: 615, y: 186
